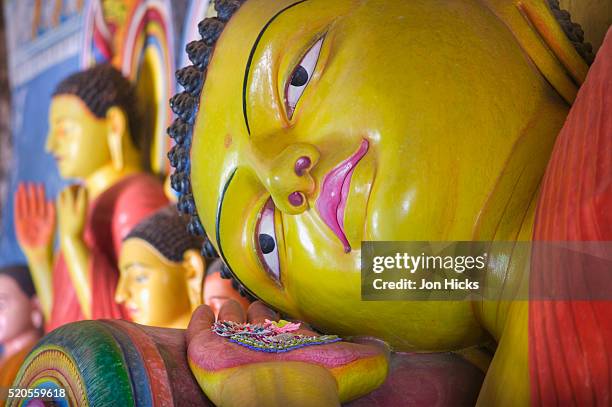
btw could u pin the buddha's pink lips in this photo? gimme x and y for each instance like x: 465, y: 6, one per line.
x: 331, y: 204
x: 212, y: 353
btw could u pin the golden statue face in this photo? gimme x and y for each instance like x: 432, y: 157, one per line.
x: 154, y: 290
x: 77, y: 138
x: 322, y: 124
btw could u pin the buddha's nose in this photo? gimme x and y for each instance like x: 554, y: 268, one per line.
x: 287, y: 177
x: 120, y: 292
x: 50, y: 142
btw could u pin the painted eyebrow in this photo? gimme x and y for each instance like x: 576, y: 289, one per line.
x: 250, y: 61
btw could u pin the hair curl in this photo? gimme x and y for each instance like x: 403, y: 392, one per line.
x: 165, y: 230
x: 573, y: 31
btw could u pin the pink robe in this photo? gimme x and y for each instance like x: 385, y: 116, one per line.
x: 110, y: 218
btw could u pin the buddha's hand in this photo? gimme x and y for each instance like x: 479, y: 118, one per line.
x: 34, y: 220
x: 233, y: 374
x: 72, y: 212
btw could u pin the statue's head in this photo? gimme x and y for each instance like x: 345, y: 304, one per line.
x: 19, y: 308
x: 309, y: 126
x: 218, y: 289
x: 161, y: 270
x: 93, y: 122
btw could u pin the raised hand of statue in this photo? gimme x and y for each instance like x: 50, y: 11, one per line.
x: 34, y: 219
x: 236, y: 371
x: 72, y: 212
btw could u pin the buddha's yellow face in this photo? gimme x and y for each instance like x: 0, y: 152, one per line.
x: 77, y: 138
x: 325, y: 123
x: 154, y: 290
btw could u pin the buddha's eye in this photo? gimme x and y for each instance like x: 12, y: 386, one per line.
x: 142, y: 278
x: 265, y: 241
x: 300, y: 77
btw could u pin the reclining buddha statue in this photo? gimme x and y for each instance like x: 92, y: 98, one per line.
x: 325, y: 124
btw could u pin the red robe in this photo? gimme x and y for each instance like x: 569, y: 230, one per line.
x: 110, y: 218
x: 570, y: 355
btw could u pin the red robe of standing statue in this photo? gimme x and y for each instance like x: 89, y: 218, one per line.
x: 110, y: 218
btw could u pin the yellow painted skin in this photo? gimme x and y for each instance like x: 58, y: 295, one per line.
x: 147, y: 277
x: 291, y: 383
x: 460, y: 103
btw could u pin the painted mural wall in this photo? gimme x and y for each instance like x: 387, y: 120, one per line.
x: 5, y: 139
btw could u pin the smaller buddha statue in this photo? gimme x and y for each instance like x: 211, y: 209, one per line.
x: 20, y: 320
x: 162, y: 273
x: 218, y: 289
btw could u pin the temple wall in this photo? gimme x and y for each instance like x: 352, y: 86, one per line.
x: 5, y: 140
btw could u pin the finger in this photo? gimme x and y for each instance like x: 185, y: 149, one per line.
x: 19, y: 201
x: 51, y: 214
x: 40, y: 200
x: 81, y: 200
x: 232, y: 311
x: 44, y: 202
x: 258, y: 312
x: 31, y: 199
x: 64, y: 197
x: 36, y: 202
x: 61, y: 202
x: 201, y: 319
x: 70, y: 197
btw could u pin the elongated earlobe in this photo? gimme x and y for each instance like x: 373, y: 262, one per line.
x: 117, y: 128
x: 195, y: 265
x: 36, y: 314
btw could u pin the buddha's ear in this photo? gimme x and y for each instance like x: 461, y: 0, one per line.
x: 537, y: 31
x: 117, y: 126
x: 195, y: 265
x: 36, y: 313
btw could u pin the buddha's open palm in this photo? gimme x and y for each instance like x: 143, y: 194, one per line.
x: 34, y: 218
x: 233, y: 375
